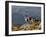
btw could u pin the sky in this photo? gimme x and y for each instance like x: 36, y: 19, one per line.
x: 19, y: 12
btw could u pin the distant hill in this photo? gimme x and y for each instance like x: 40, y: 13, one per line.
x: 18, y: 19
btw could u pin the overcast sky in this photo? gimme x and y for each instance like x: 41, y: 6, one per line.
x: 21, y: 11
x: 30, y: 11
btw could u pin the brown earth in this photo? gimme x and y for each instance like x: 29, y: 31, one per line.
x: 27, y: 26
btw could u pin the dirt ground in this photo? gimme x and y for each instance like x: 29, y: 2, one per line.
x: 27, y: 26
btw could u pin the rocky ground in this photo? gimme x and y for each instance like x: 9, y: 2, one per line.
x: 33, y: 26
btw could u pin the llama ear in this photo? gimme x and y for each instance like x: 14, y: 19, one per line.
x: 27, y: 19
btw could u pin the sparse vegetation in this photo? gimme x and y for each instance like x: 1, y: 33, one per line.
x: 35, y: 25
